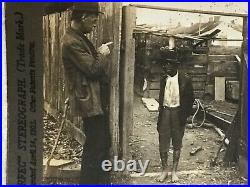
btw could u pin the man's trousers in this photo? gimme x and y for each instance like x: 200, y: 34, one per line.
x: 96, y: 149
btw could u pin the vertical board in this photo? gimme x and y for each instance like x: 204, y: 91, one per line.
x: 54, y: 24
x: 220, y: 89
x: 46, y: 59
x: 127, y: 77
x: 114, y: 72
x: 243, y: 161
x: 109, y: 29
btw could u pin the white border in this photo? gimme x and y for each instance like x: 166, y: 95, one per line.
x: 4, y: 99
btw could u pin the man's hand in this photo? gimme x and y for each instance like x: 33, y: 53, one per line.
x: 104, y: 49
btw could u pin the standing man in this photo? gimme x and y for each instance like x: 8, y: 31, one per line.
x: 85, y: 75
x: 175, y: 105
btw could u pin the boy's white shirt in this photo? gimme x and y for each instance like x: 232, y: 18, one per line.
x: 172, y: 93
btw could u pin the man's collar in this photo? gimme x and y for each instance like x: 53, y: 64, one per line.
x: 76, y: 31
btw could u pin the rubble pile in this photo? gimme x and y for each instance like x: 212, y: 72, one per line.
x: 67, y: 148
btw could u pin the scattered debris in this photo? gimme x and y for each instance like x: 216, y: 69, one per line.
x: 147, y: 124
x: 58, y: 163
x: 67, y: 149
x: 214, y: 161
x: 151, y: 104
x: 222, y: 150
x: 171, y: 151
x: 189, y: 126
x: 180, y: 173
x: 200, y: 161
x: 244, y: 179
x: 195, y: 150
x: 218, y: 130
x: 222, y: 135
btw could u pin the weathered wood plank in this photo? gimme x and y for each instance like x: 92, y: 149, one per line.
x: 114, y: 84
x: 75, y: 132
x: 231, y: 75
x: 155, y: 69
x: 44, y: 56
x: 153, y: 93
x: 52, y: 59
x: 65, y: 24
x: 56, y: 61
x: 220, y: 88
x: 154, y: 85
x: 47, y: 58
x: 198, y: 93
x: 222, y: 57
x: 199, y: 78
x: 198, y: 85
x: 197, y: 59
x: 221, y: 50
x: 194, y: 70
x: 154, y: 77
x: 151, y: 104
x: 127, y: 76
x: 50, y: 110
x: 60, y: 70
x: 244, y: 102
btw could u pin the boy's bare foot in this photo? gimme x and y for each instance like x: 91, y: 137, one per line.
x: 174, y: 177
x: 162, y: 177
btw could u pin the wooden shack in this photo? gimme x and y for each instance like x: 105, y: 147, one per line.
x: 202, y: 67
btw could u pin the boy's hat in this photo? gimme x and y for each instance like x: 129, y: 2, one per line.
x: 169, y: 56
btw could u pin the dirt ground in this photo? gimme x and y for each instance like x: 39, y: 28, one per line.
x: 144, y: 146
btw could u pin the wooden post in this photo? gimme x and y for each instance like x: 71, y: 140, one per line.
x: 127, y: 76
x: 208, y: 69
x: 114, y: 85
x: 244, y: 102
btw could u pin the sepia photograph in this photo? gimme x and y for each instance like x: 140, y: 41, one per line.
x: 125, y: 93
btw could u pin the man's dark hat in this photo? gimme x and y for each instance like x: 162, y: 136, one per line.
x: 92, y: 7
x: 51, y: 8
x: 80, y: 8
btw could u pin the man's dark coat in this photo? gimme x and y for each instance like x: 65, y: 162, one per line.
x: 84, y: 70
